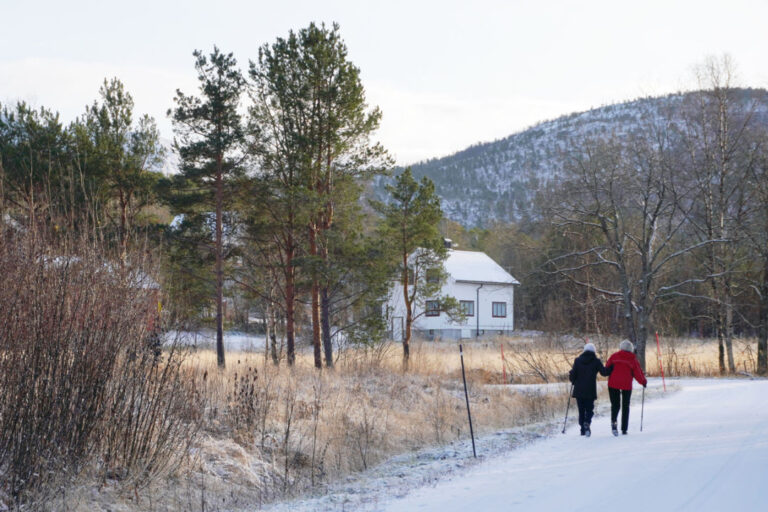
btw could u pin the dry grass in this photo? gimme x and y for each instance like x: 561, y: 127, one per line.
x: 682, y: 357
x: 274, y: 432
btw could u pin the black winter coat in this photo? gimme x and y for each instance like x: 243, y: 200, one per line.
x: 583, y: 375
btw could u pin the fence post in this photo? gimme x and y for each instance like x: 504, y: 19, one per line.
x: 466, y: 396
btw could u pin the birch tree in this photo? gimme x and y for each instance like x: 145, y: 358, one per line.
x: 718, y: 119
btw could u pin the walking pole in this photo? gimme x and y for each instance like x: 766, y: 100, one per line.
x: 567, y: 407
x: 642, y: 409
x: 466, y: 396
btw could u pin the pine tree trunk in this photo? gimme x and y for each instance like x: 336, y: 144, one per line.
x: 273, y: 336
x: 267, y: 328
x: 325, y: 225
x: 315, y: 301
x: 290, y: 302
x: 290, y: 316
x: 408, y: 315
x: 316, y: 335
x: 325, y: 318
x: 123, y: 227
x: 407, y: 339
x: 219, y: 265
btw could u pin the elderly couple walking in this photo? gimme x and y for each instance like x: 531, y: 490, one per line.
x: 620, y: 369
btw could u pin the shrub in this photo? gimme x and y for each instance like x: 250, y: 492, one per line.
x: 81, y: 384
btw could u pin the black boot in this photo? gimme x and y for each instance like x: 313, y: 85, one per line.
x: 587, y: 431
x: 615, y: 429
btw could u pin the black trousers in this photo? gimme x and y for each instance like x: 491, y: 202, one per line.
x: 586, y: 410
x: 620, y: 400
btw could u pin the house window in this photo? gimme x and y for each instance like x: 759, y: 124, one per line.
x: 499, y: 309
x: 433, y: 275
x: 468, y: 307
x: 433, y: 308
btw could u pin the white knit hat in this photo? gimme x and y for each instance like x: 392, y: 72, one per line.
x: 626, y: 345
x: 589, y: 347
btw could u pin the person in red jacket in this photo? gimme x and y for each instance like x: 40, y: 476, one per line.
x: 625, y: 368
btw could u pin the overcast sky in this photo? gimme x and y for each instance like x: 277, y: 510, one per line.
x: 446, y: 74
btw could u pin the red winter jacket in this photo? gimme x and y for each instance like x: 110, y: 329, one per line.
x: 625, y: 366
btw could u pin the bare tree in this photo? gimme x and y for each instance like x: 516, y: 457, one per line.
x: 717, y: 121
x: 623, y: 195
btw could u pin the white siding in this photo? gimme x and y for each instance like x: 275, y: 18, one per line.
x: 442, y: 325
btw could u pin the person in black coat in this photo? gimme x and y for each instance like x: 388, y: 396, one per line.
x: 583, y: 376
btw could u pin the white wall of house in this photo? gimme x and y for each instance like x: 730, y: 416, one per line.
x: 479, y: 297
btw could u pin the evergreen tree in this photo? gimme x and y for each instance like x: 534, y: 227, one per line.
x: 310, y: 98
x: 124, y: 156
x: 209, y: 141
x: 411, y: 225
x: 34, y: 164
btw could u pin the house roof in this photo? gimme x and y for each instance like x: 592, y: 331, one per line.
x: 476, y: 267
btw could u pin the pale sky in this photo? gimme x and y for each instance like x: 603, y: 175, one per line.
x: 446, y: 74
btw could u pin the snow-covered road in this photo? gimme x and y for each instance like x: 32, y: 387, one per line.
x: 704, y: 448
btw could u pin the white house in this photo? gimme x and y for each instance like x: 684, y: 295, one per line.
x: 484, y: 289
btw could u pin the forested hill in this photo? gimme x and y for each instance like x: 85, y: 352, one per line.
x: 498, y: 180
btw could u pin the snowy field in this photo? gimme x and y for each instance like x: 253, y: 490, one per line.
x: 233, y: 341
x: 703, y: 448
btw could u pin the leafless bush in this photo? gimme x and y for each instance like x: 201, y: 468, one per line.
x: 532, y: 364
x: 367, y: 357
x: 535, y: 406
x: 439, y: 411
x: 154, y: 414
x: 81, y: 382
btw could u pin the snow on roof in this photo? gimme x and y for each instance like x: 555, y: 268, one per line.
x: 476, y: 267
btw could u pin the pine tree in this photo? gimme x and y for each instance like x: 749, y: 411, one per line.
x: 411, y: 224
x: 311, y: 99
x: 124, y: 155
x: 209, y: 141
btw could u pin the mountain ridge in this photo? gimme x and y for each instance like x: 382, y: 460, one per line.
x: 497, y: 180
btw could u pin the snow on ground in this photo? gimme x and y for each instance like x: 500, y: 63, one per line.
x: 704, y: 448
x: 233, y: 341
